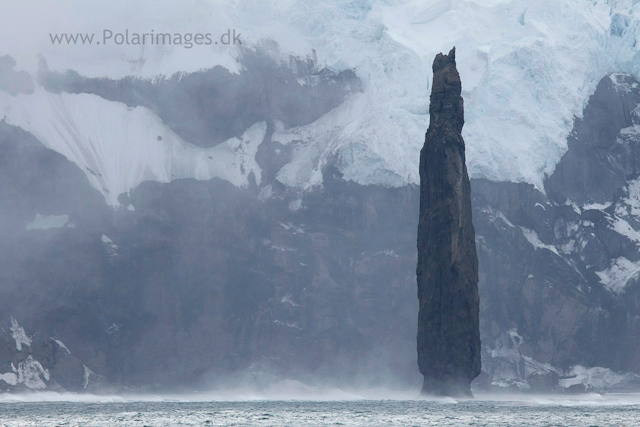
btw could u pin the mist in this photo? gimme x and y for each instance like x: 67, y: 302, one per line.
x: 236, y: 222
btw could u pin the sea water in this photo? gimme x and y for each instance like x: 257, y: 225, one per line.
x: 78, y: 410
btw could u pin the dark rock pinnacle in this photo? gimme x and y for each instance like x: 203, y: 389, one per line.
x: 448, y: 321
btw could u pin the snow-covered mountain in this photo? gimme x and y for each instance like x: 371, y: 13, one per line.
x: 529, y: 66
x: 188, y: 215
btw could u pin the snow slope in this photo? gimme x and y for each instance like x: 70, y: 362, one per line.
x: 119, y: 147
x: 528, y: 68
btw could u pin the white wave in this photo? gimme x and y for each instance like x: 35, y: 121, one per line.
x: 294, y: 393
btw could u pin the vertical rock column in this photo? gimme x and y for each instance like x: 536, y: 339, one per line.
x: 448, y: 321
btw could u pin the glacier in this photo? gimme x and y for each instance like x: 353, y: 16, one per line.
x: 528, y: 69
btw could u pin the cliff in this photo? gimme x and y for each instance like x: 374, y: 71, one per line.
x: 197, y: 284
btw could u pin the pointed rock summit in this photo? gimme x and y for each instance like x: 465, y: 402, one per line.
x: 448, y: 321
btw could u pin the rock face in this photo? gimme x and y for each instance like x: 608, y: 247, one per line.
x: 39, y: 362
x: 559, y: 283
x: 199, y: 284
x: 448, y: 320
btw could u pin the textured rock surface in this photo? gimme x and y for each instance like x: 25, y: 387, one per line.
x: 559, y: 271
x: 204, y: 284
x: 38, y: 362
x: 448, y: 320
x: 195, y: 283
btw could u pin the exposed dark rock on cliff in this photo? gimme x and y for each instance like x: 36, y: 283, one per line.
x: 559, y: 282
x: 38, y: 362
x: 198, y: 281
x: 205, y: 282
x: 448, y: 320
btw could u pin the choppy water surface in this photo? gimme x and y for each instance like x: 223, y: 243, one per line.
x: 620, y: 410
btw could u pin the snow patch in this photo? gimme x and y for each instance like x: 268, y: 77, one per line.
x: 574, y: 206
x: 630, y: 204
x: 289, y: 325
x: 47, y: 222
x: 633, y: 197
x: 32, y: 374
x: 61, y: 344
x: 295, y: 205
x: 292, y: 227
x: 265, y: 193
x: 535, y: 241
x: 19, y: 335
x: 282, y: 248
x: 9, y: 378
x: 572, y: 228
x: 495, y: 215
x: 508, y: 349
x: 623, y: 227
x: 596, y: 206
x: 387, y: 253
x: 619, y: 274
x: 533, y: 367
x: 113, y: 328
x: 510, y: 367
x: 117, y: 146
x: 568, y: 247
x: 287, y: 300
x: 594, y: 378
x: 86, y: 376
